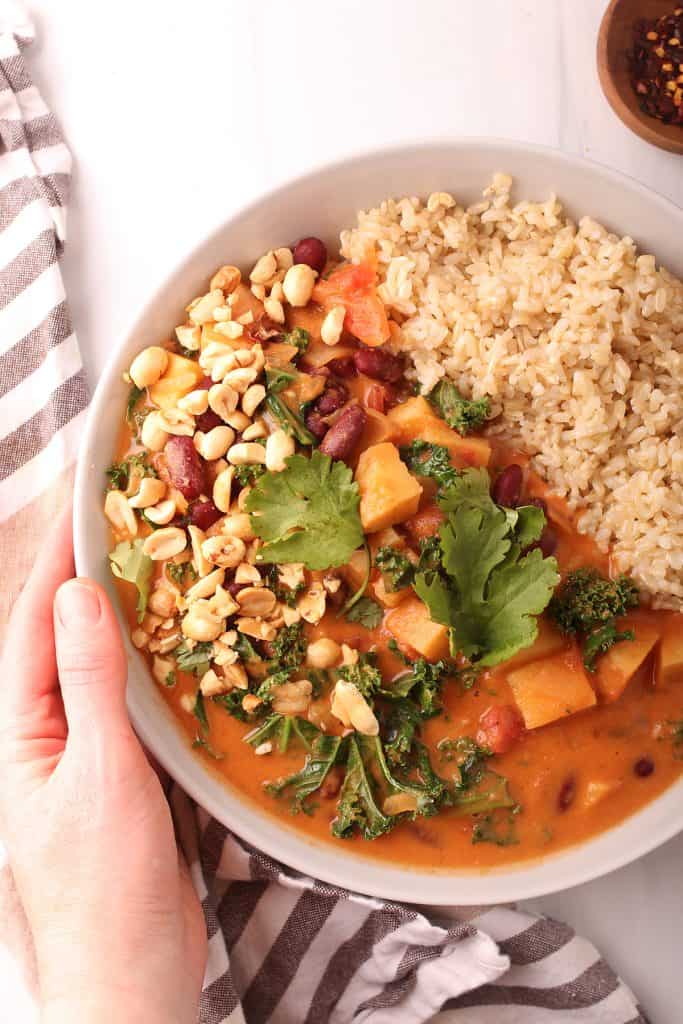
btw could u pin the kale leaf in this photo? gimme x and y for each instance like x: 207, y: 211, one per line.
x: 462, y: 414
x: 425, y: 459
x: 196, y: 659
x: 357, y: 807
x: 397, y: 570
x: 589, y: 604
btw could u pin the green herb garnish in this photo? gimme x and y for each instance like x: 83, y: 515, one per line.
x: 486, y: 591
x: 128, y: 562
x: 462, y: 414
x: 307, y: 513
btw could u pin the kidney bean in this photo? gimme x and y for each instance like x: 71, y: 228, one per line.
x: 332, y: 398
x: 548, y: 542
x: 342, y: 367
x: 500, y: 728
x: 235, y: 588
x: 344, y: 435
x: 185, y: 467
x: 316, y: 424
x: 565, y: 797
x: 643, y: 767
x: 311, y: 251
x: 208, y: 420
x: 378, y: 364
x: 203, y: 514
x: 507, y: 489
x: 205, y: 384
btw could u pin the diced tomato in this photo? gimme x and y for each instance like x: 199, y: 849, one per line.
x: 425, y: 523
x: 354, y: 286
x: 500, y: 728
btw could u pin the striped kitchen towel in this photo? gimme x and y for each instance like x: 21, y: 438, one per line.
x: 287, y: 949
x: 42, y: 387
x: 283, y: 948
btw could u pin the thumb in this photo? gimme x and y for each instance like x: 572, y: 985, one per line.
x: 91, y: 662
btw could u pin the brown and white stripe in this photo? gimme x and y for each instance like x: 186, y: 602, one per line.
x: 286, y: 949
x: 42, y: 387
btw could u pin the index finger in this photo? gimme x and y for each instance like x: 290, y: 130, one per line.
x: 29, y: 667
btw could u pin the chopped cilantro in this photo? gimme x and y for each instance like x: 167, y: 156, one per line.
x: 248, y: 475
x: 176, y: 571
x: 462, y: 414
x: 497, y: 827
x: 170, y: 679
x: 119, y: 472
x: 128, y: 562
x: 307, y: 513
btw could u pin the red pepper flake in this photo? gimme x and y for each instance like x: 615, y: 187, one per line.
x: 655, y: 62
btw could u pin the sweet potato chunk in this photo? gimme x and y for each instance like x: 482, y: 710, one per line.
x: 182, y: 375
x: 356, y: 568
x: 377, y: 429
x: 551, y: 688
x: 416, y: 419
x: 388, y: 598
x: 615, y: 669
x: 388, y: 492
x: 549, y: 641
x: 411, y: 625
x: 670, y: 652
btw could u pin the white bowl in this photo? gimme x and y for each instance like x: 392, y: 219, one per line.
x: 321, y: 203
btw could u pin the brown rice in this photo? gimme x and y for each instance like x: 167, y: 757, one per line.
x: 576, y: 338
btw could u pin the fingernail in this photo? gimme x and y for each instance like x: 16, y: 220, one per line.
x: 77, y: 604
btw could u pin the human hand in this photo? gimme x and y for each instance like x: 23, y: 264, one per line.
x: 119, y: 933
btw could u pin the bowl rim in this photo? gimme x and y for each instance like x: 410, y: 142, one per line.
x: 282, y: 842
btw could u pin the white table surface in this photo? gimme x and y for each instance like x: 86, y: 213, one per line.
x: 178, y: 112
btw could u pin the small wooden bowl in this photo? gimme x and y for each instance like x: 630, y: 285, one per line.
x: 614, y: 42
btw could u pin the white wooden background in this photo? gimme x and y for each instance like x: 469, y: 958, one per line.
x: 178, y: 112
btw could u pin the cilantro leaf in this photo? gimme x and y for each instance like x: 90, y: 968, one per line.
x: 486, y: 590
x: 365, y: 612
x: 307, y: 513
x: 462, y: 414
x: 128, y: 562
